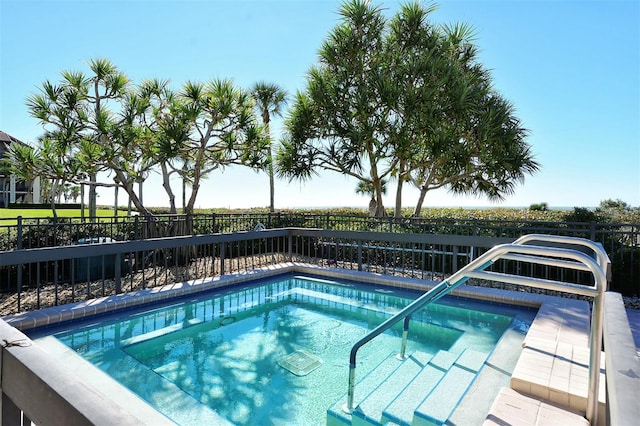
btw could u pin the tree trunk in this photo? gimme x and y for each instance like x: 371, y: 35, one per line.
x: 372, y: 207
x: 53, y: 210
x: 166, y: 184
x: 82, y: 205
x: 397, y: 213
x: 380, y: 212
x: 377, y: 188
x: 376, y: 181
x: 271, y: 183
x: 423, y: 194
x: 398, y: 209
x: 272, y: 190
x: 194, y: 192
x: 198, y: 165
x: 184, y: 193
x: 115, y: 201
x: 93, y: 210
x: 53, y: 200
x: 127, y: 185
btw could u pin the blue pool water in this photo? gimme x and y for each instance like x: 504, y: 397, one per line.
x: 274, y: 353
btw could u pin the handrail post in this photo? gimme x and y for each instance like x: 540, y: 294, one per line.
x: 352, y: 383
x: 595, y: 345
x: 405, y: 335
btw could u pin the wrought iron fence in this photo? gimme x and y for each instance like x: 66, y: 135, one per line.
x: 621, y: 241
x: 41, y: 277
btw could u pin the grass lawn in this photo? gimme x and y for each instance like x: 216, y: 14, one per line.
x: 7, y: 214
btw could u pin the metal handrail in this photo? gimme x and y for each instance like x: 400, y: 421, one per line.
x: 522, y: 252
x: 601, y: 255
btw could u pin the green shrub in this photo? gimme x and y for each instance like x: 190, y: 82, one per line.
x: 581, y: 214
x: 539, y: 207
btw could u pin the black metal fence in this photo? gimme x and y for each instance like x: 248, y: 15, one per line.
x: 621, y: 241
x: 42, y: 277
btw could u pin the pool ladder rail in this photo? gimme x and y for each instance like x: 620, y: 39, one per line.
x: 549, y: 250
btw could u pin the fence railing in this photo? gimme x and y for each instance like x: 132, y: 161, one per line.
x: 38, y: 278
x: 65, y: 231
x: 621, y: 241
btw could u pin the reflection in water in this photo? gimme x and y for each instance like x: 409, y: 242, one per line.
x: 221, y: 355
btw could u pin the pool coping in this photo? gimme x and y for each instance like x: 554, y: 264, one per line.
x: 73, y: 311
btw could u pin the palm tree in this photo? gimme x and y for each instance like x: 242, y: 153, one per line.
x: 74, y: 192
x: 106, y: 84
x: 365, y: 187
x: 269, y: 99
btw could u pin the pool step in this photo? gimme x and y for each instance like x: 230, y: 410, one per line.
x: 370, y: 409
x: 438, y: 406
x: 400, y: 410
x: 336, y: 414
x: 423, y: 390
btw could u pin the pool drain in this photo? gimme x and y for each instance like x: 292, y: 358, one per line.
x: 227, y: 320
x: 300, y: 362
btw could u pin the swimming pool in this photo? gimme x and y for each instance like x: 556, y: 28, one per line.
x: 271, y: 353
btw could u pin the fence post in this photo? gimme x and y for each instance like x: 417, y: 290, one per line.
x: 19, y: 237
x: 136, y: 224
x: 222, y: 255
x: 592, y: 228
x: 19, y: 284
x: 475, y: 234
x: 290, y: 240
x: 118, y: 273
x: 456, y: 250
x: 359, y: 255
x: 19, y: 267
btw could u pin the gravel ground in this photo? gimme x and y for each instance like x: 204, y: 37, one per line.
x: 632, y: 302
x: 634, y: 323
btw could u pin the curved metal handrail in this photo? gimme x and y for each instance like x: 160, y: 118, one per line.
x: 601, y: 255
x: 522, y: 252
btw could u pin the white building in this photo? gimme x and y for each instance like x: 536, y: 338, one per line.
x: 11, y: 189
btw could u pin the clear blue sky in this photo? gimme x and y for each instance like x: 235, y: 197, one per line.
x: 571, y: 68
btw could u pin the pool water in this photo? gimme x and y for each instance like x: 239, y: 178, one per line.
x: 271, y: 354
